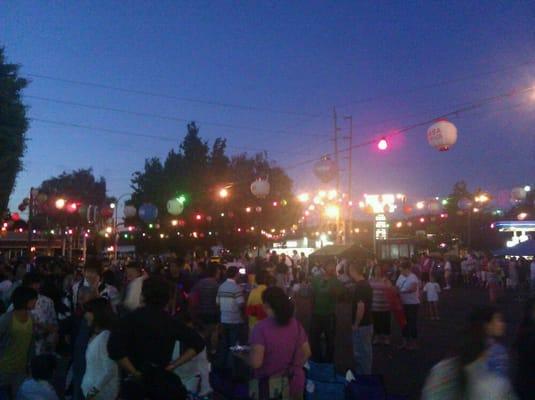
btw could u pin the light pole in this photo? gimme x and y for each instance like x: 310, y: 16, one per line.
x: 115, y: 223
x: 349, y: 214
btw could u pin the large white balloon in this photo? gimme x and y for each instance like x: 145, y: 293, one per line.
x: 260, y: 188
x: 175, y: 207
x: 442, y: 135
x: 130, y: 211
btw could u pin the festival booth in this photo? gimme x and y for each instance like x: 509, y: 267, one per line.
x: 340, y: 251
x: 524, y: 249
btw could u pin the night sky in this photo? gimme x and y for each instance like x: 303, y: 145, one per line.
x: 266, y: 76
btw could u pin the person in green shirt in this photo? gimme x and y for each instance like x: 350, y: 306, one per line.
x: 324, y: 291
x: 16, y: 340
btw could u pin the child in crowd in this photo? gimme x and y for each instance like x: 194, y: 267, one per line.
x: 432, y: 289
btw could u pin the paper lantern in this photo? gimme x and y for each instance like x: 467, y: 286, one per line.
x: 260, y: 188
x: 465, y: 204
x: 442, y: 135
x: 434, y: 206
x: 518, y: 195
x: 148, y: 212
x: 325, y: 169
x: 15, y: 216
x: 106, y: 212
x: 129, y: 211
x: 407, y: 209
x: 175, y: 207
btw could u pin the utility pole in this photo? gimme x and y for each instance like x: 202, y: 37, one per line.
x: 339, y: 224
x: 349, y: 215
x: 30, y: 216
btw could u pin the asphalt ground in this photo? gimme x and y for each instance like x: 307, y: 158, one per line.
x: 405, y: 371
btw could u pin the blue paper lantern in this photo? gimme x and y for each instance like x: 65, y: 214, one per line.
x: 148, y: 212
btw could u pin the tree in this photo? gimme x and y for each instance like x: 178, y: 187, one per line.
x: 13, y: 127
x: 199, y: 172
x: 79, y: 186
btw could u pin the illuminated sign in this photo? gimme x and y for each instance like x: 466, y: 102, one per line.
x: 381, y: 227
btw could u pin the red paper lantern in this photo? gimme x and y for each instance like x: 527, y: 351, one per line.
x: 407, y: 209
x: 106, y: 212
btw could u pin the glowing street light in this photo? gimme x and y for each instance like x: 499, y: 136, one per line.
x: 420, y: 205
x: 527, y: 188
x: 303, y: 197
x: 112, y: 205
x: 60, y: 203
x: 174, y: 222
x: 223, y: 193
x: 482, y: 198
x: 332, y: 211
x: 522, y: 216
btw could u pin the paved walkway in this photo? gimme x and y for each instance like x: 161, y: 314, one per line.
x: 405, y: 372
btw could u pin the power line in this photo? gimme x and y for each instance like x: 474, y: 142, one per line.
x: 172, y: 97
x: 164, y: 117
x: 438, y: 84
x: 138, y: 134
x: 473, y: 106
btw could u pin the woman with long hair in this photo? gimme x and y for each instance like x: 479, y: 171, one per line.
x: 468, y: 375
x: 279, y: 349
x: 101, y: 378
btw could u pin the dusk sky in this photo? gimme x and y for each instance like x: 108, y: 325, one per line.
x: 266, y: 76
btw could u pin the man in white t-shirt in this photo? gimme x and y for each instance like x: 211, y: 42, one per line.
x: 408, y: 288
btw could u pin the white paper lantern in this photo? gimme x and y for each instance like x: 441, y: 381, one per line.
x: 434, y: 206
x: 442, y: 135
x: 518, y: 195
x: 175, y: 207
x: 325, y: 169
x: 129, y: 211
x: 260, y: 188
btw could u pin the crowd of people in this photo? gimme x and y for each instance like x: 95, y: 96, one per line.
x: 157, y: 328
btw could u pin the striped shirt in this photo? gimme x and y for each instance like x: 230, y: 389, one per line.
x: 379, y: 301
x: 230, y: 299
